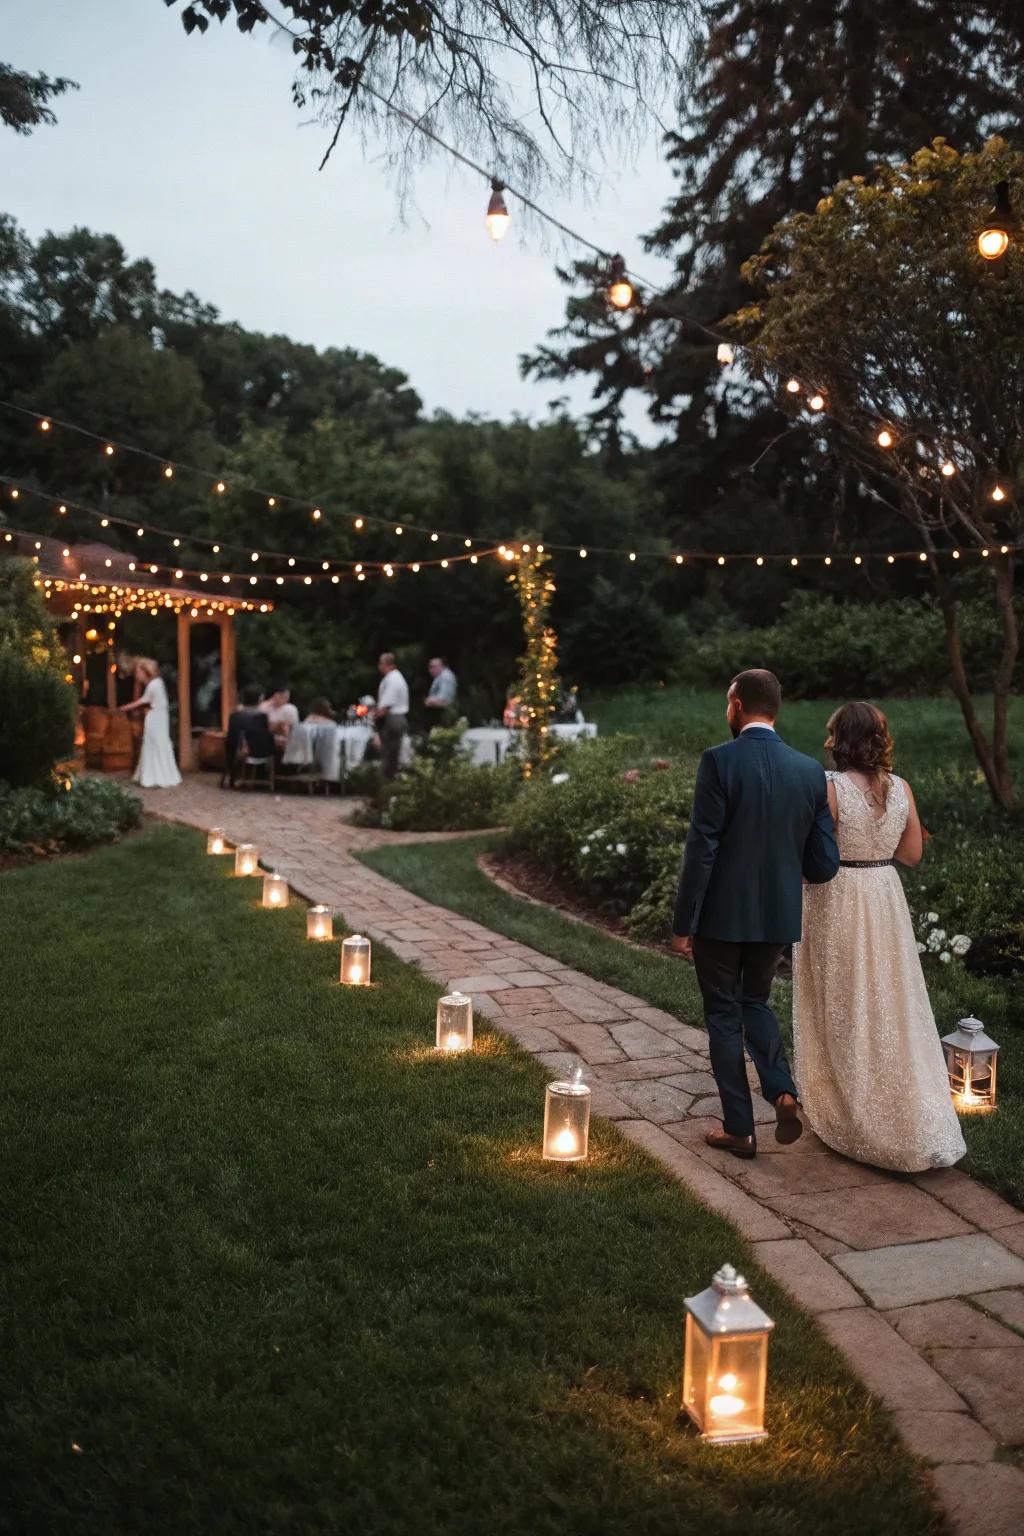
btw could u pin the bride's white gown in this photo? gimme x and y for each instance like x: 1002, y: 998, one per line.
x: 869, y: 1064
x: 156, y: 767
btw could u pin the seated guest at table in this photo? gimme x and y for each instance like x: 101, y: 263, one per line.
x: 320, y: 713
x: 248, y: 732
x: 391, y: 714
x: 280, y: 712
x: 442, y: 695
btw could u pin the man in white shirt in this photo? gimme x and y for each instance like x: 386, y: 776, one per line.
x: 391, y: 714
x: 281, y: 714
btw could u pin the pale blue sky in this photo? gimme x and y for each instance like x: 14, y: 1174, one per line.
x: 190, y: 151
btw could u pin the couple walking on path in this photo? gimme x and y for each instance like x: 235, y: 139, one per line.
x: 776, y: 849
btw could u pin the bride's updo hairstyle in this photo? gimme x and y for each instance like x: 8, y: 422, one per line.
x: 859, y: 738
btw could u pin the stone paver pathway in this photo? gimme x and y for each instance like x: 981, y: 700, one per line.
x: 918, y: 1281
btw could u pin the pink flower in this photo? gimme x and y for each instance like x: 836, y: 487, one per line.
x: 660, y: 762
x: 631, y: 776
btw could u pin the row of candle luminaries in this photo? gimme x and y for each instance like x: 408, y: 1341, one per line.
x: 725, y: 1354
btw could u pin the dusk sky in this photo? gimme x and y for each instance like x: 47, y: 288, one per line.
x: 190, y: 151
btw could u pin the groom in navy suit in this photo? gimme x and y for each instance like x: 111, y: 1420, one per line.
x: 760, y: 826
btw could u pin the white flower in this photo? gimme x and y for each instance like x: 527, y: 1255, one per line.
x: 607, y: 847
x: 584, y: 848
x: 936, y: 939
x: 921, y: 948
x: 621, y: 849
x: 598, y: 832
x: 931, y: 917
x: 559, y: 778
x: 945, y: 957
x: 959, y: 943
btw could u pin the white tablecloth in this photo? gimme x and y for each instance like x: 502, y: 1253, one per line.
x: 490, y: 743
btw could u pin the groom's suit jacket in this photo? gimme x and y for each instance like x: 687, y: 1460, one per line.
x: 761, y: 825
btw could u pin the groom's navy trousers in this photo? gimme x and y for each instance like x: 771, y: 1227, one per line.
x: 760, y: 826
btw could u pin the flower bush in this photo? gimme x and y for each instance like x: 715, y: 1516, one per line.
x: 610, y: 832
x: 441, y: 791
x: 65, y: 814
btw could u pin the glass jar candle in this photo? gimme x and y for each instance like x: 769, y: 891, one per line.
x: 216, y: 841
x: 355, y: 961
x: 567, y: 1120
x: 247, y: 859
x: 319, y: 923
x: 455, y: 1022
x: 275, y: 890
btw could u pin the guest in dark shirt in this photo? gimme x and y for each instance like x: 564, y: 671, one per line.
x: 248, y: 724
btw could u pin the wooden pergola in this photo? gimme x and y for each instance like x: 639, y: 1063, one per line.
x: 89, y: 583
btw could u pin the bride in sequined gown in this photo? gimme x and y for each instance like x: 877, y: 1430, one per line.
x: 869, y: 1064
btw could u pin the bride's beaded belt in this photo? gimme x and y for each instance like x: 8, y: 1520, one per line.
x: 866, y: 863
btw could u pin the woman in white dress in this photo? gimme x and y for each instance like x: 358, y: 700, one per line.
x: 156, y: 767
x: 869, y: 1063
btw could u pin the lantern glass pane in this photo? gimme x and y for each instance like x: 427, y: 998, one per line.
x: 972, y: 1078
x: 275, y: 891
x: 696, y: 1354
x: 215, y: 841
x: 319, y: 923
x: 735, y: 1389
x: 355, y: 961
x: 566, y: 1122
x: 454, y: 1023
x: 247, y: 859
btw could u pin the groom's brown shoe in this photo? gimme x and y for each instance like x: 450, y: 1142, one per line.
x: 788, y: 1125
x: 739, y: 1146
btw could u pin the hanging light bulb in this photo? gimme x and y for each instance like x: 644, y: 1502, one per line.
x: 45, y: 424
x: 817, y: 402
x: 793, y: 386
x: 1000, y: 223
x: 885, y: 438
x: 497, y: 217
x: 725, y: 354
x: 620, y: 289
x: 948, y: 468
x: 998, y: 494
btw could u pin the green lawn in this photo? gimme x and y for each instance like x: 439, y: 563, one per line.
x: 269, y: 1265
x: 929, y: 733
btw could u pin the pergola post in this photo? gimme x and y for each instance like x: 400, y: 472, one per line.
x: 228, y: 685
x: 186, y: 760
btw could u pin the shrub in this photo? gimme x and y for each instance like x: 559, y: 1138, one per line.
x: 611, y: 832
x: 65, y: 814
x: 37, y: 708
x: 823, y: 648
x: 442, y: 791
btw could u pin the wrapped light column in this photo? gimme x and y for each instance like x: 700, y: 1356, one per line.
x: 275, y: 890
x: 566, y: 1120
x: 247, y: 859
x: 215, y: 841
x: 319, y: 923
x: 455, y: 1022
x: 971, y: 1064
x: 355, y: 961
x: 725, y: 1362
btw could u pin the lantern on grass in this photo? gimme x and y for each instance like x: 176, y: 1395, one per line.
x: 455, y: 1022
x: 215, y: 841
x: 971, y: 1064
x: 725, y: 1363
x: 355, y: 961
x: 567, y: 1120
x: 319, y: 923
x: 275, y: 890
x: 247, y: 859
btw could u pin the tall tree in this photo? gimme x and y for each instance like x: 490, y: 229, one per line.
x: 25, y: 99
x: 591, y: 68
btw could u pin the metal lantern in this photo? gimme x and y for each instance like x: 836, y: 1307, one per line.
x: 725, y: 1362
x: 247, y: 859
x: 567, y: 1120
x: 455, y: 1022
x: 275, y: 891
x: 971, y: 1064
x: 319, y: 923
x: 355, y: 961
x: 215, y: 841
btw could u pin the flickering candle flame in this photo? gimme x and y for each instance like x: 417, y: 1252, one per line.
x: 566, y: 1141
x: 355, y: 974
